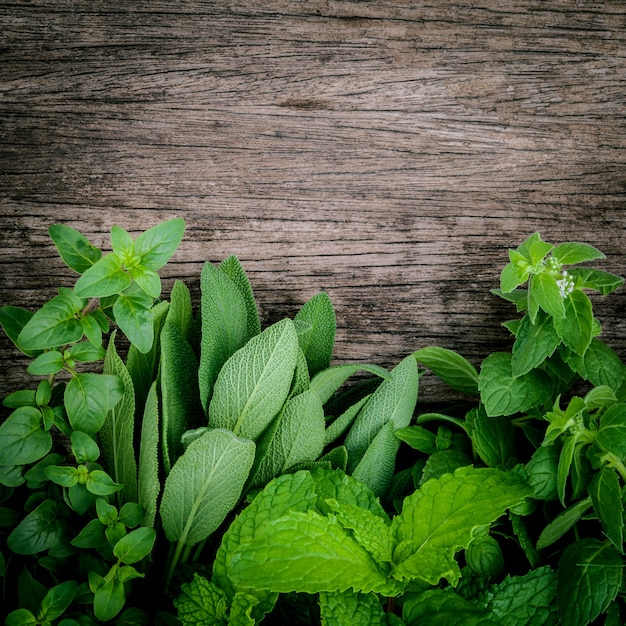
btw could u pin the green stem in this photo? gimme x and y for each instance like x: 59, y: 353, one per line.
x: 173, y: 563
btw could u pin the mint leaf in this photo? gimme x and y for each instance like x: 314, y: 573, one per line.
x: 442, y: 516
x: 576, y: 328
x: 504, y: 394
x: 254, y: 383
x: 598, y: 280
x: 600, y: 365
x: 588, y: 579
x: 611, y: 436
x: 534, y: 343
x: 350, y: 608
x: 75, y: 249
x: 572, y: 252
x: 204, y: 485
x: 201, y: 602
x: 318, y: 341
x: 543, y: 289
x: 442, y: 607
x: 606, y: 495
x: 493, y: 438
x: 451, y: 367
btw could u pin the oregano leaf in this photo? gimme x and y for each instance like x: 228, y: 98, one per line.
x: 74, y: 248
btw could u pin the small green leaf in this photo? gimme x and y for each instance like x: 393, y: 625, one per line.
x: 104, y: 278
x: 563, y: 522
x: 350, y: 608
x: 318, y: 341
x: 109, y: 599
x: 484, y: 556
x: 588, y: 579
x: 55, y: 324
x: 419, y: 438
x: 601, y: 365
x: 88, y: 398
x: 572, y: 252
x: 147, y: 279
x: 136, y: 545
x: 504, y: 394
x: 451, y: 367
x: 75, y: 249
x: 204, y: 485
x: 201, y: 602
x: 101, y: 484
x: 133, y: 314
x: 606, y: 495
x: 534, y: 343
x: 611, y: 436
x: 85, y: 351
x: 493, y: 438
x: 58, y: 599
x: 46, y: 363
x: 21, y: 617
x: 22, y: 397
x: 545, y: 292
x: 39, y: 531
x: 13, y: 319
x: 92, y: 329
x: 123, y: 245
x: 541, y: 471
x: 156, y: 245
x: 598, y: 280
x: 340, y: 425
x: 442, y: 607
x: 84, y: 448
x: 254, y: 383
x: 576, y: 328
x: 23, y: 439
x: 91, y: 536
x: 512, y: 277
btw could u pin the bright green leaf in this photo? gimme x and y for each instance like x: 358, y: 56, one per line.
x: 156, y: 245
x: 534, y: 343
x: 74, y: 248
x: 493, y: 438
x: 601, y: 365
x: 576, y: 328
x: 598, y: 280
x: 350, y: 608
x: 133, y: 314
x: 545, y: 292
x: 23, y: 439
x: 326, y: 382
x: 572, y: 252
x: 136, y: 545
x: 147, y: 279
x: 104, y: 278
x: 562, y: 523
x: 201, y: 602
x: 451, y: 367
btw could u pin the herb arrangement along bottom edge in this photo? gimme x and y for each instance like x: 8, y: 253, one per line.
x: 221, y: 473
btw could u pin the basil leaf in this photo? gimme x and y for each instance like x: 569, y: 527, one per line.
x: 23, y: 439
x: 255, y: 382
x: 156, y: 245
x: 57, y: 600
x: 104, y: 278
x: 39, y: 531
x: 49, y: 362
x: 136, y: 545
x: 88, y: 398
x: 204, y: 485
x: 75, y: 249
x: 13, y: 319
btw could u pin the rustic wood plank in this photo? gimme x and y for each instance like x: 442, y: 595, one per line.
x: 387, y: 152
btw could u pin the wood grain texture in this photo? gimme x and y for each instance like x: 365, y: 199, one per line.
x: 388, y: 152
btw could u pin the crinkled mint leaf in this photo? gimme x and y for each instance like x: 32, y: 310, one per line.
x: 442, y: 607
x: 601, y: 365
x: 351, y: 608
x: 201, y: 602
x: 493, y: 438
x: 575, y: 329
x: 606, y: 494
x: 442, y: 516
x: 534, y: 343
x: 589, y: 578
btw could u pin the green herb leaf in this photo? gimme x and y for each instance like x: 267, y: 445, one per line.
x: 484, y: 556
x: 54, y: 324
x: 23, y: 439
x: 13, y: 319
x: 156, y: 245
x: 147, y: 279
x: 225, y: 312
x: 350, y: 608
x: 442, y: 607
x: 576, y: 328
x: 57, y: 600
x: 180, y: 311
x: 254, y: 383
x: 89, y: 397
x: 104, y: 278
x: 419, y: 438
x: 493, y: 438
x: 318, y: 341
x: 606, y: 495
x: 563, y: 522
x: 180, y: 404
x: 118, y: 430
x: 588, y: 579
x: 201, y: 602
x: 598, y: 280
x: 39, y: 531
x: 134, y: 546
x: 133, y: 314
x: 545, y: 292
x: 149, y: 485
x: 100, y: 483
x: 442, y: 516
x: 451, y: 367
x: 232, y: 267
x: 75, y: 249
x: 611, y: 436
x: 541, y: 471
x: 204, y: 485
x: 84, y: 448
x: 326, y: 382
x: 21, y: 617
x: 534, y: 343
x: 504, y: 394
x: 340, y: 425
x: 85, y: 351
x: 109, y: 598
x: 572, y: 252
x: 600, y: 366
x: 123, y: 245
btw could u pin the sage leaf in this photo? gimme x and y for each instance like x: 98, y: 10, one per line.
x: 118, y: 429
x: 23, y: 439
x: 148, y: 483
x: 450, y: 367
x: 504, y: 394
x: 132, y: 311
x: 39, y: 531
x: 74, y: 248
x: 104, y: 278
x: 156, y: 245
x: 351, y: 608
x: 224, y: 315
x: 340, y: 425
x: 204, y: 485
x: 180, y: 311
x: 318, y: 341
x: 88, y: 399
x: 326, y: 382
x: 534, y: 343
x: 254, y: 383
x: 442, y: 516
x: 180, y: 404
x: 588, y: 579
x: 606, y: 496
x: 55, y: 324
x: 575, y: 329
x: 232, y: 267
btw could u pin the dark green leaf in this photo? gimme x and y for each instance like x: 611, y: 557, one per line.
x: 418, y: 437
x: 91, y: 536
x: 534, y: 343
x: 606, y: 495
x: 201, y: 602
x: 58, y: 599
x: 21, y: 617
x: 576, y: 328
x: 105, y: 278
x: 600, y: 366
x: 451, y: 367
x: 46, y: 363
x: 109, y: 599
x: 63, y: 475
x: 88, y: 398
x: 598, y: 280
x: 101, y: 484
x: 563, y: 522
x: 17, y: 399
x: 12, y: 320
x: 493, y: 438
x: 350, y: 608
x: 136, y: 545
x: 439, y: 607
x: 39, y: 531
x: 541, y: 471
x: 84, y: 448
x: 54, y: 325
x: 611, y: 436
x: 74, y: 248
x: 588, y: 579
x: 85, y: 351
x: 23, y: 439
x: 484, y: 556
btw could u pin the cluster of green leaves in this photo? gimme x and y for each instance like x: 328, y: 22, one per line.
x: 66, y: 551
x: 243, y: 475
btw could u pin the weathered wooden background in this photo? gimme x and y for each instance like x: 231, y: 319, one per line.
x: 388, y: 152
